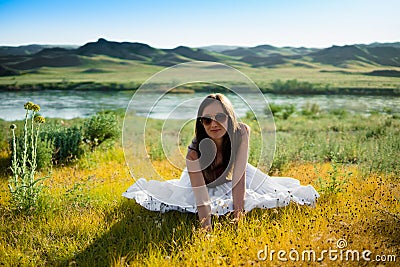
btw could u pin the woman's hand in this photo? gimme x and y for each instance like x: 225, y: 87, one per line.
x: 206, y: 225
x: 238, y: 215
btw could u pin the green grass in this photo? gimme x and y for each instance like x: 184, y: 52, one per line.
x: 84, y: 220
x: 116, y: 71
x: 129, y: 73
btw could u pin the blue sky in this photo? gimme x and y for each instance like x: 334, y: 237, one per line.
x: 167, y: 24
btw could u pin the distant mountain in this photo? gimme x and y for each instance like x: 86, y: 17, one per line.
x: 47, y: 57
x: 193, y: 53
x: 267, y: 55
x: 267, y: 50
x: 28, y: 49
x: 218, y: 48
x: 125, y: 50
x: 144, y: 52
x: 5, y: 71
x: 340, y: 56
x: 375, y: 55
x: 64, y: 60
x: 13, y: 60
x: 270, y: 61
x: 61, y: 57
x: 396, y: 44
x: 261, y: 50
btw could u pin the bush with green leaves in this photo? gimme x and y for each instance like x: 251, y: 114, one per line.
x: 311, y: 109
x: 101, y: 127
x: 336, y: 181
x: 56, y: 144
x: 292, y: 86
x: 66, y: 142
x: 280, y: 111
x: 340, y: 112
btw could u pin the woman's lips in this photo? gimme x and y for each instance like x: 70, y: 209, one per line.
x: 215, y: 130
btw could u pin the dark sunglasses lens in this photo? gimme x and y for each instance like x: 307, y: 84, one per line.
x: 206, y: 120
x: 220, y: 117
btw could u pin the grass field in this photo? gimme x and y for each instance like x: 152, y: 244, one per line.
x: 83, y: 220
x: 103, y: 69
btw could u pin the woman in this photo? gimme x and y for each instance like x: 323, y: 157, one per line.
x: 218, y: 178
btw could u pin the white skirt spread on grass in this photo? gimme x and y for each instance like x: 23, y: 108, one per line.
x: 262, y: 191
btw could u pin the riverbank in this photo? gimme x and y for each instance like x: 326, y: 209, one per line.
x: 297, y: 89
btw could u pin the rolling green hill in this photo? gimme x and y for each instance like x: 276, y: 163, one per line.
x: 126, y: 64
x: 339, y: 56
x: 27, y: 49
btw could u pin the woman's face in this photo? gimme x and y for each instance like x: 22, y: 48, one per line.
x: 215, y: 120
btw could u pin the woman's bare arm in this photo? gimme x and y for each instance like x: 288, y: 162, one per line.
x: 199, y: 189
x: 239, y: 172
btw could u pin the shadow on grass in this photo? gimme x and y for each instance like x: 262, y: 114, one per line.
x: 5, y: 163
x: 134, y: 233
x: 388, y: 227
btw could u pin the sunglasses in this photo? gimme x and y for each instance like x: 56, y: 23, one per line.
x: 219, y: 117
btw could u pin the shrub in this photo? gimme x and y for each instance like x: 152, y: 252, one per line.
x: 66, y: 142
x: 251, y: 116
x: 341, y: 113
x: 101, y: 127
x: 281, y: 111
x: 44, y: 155
x: 311, y: 109
x: 336, y: 181
x: 156, y: 150
x: 292, y: 86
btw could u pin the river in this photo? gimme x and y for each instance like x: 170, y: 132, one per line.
x: 72, y: 104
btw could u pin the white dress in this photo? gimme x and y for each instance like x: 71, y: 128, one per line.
x: 262, y: 191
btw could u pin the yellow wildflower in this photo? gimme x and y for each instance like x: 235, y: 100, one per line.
x: 28, y: 105
x: 40, y: 119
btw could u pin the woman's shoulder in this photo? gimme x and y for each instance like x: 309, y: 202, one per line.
x: 192, y: 152
x: 244, y: 128
x: 193, y: 145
